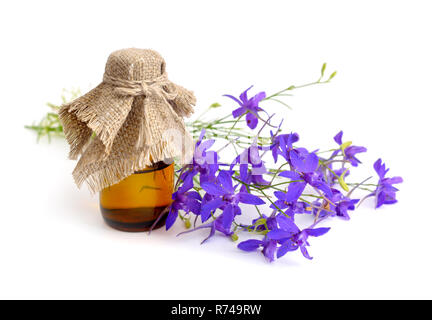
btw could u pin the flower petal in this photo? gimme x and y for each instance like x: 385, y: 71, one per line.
x: 243, y: 95
x: 209, y: 206
x: 250, y: 245
x: 278, y: 234
x: 275, y: 152
x: 290, y: 174
x: 394, y: 180
x: 253, y: 153
x: 251, y: 120
x: 269, y: 249
x: 311, y: 162
x: 248, y: 198
x: 280, y: 195
x: 295, y: 190
x: 286, y: 247
x: 211, y: 234
x: 202, y: 134
x: 234, y: 98
x: 193, y: 206
x: 238, y: 112
x: 171, y: 218
x: 227, y: 217
x: 378, y: 168
x: 226, y: 181
x: 316, y: 232
x: 338, y: 138
x: 259, y: 97
x: 305, y: 252
x: 206, y: 145
x: 194, y: 195
x: 291, y: 139
x: 187, y: 184
x: 287, y: 224
x: 213, y: 189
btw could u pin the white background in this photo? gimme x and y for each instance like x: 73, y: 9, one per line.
x: 53, y: 241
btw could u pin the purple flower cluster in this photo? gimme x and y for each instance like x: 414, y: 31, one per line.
x: 305, y: 183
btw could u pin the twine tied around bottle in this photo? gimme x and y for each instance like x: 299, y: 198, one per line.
x: 134, y: 118
x: 143, y: 87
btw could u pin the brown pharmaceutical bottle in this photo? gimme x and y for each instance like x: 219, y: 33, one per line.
x: 135, y: 203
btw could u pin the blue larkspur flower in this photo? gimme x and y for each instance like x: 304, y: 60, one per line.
x: 385, y: 192
x: 282, y: 144
x: 339, y: 205
x: 250, y: 158
x: 292, y: 238
x: 248, y: 106
x: 269, y: 247
x: 225, y: 197
x: 204, y: 161
x: 184, y: 199
x: 350, y: 152
x: 279, y: 241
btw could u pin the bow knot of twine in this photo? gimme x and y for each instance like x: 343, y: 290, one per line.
x: 147, y: 88
x: 155, y: 87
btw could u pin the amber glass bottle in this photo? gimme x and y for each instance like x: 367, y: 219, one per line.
x: 135, y: 203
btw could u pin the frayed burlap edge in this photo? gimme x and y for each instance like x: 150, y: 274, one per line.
x: 100, y: 175
x: 92, y: 113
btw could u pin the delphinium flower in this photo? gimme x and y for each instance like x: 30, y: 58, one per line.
x: 184, y: 199
x: 263, y: 222
x: 304, y: 166
x: 250, y: 157
x: 221, y: 194
x: 337, y: 205
x: 286, y: 237
x: 344, y: 204
x: 385, y: 192
x: 349, y: 151
x: 248, y: 106
x: 268, y: 246
x: 305, y: 169
x: 204, y: 161
x: 289, y: 200
x: 293, y: 239
x: 282, y: 140
x: 225, y: 197
x: 215, y: 225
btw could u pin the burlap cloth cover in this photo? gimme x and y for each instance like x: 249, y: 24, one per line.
x: 128, y: 122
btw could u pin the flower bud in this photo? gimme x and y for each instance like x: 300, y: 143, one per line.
x: 342, y: 181
x: 215, y: 105
x: 187, y: 223
x: 332, y: 75
x: 323, y: 69
x: 234, y: 237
